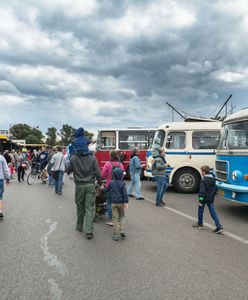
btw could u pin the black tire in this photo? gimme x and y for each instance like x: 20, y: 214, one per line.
x: 31, y: 178
x: 186, y: 180
x: 128, y: 175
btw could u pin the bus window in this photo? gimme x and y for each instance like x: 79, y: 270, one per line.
x: 205, y: 139
x: 130, y: 139
x: 159, y: 138
x: 175, y: 140
x: 108, y: 140
x: 235, y: 136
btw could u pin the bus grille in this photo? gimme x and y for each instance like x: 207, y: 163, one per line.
x: 221, y: 170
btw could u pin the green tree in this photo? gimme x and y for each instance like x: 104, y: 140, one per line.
x: 89, y: 135
x: 51, y: 136
x: 26, y: 132
x: 66, y: 134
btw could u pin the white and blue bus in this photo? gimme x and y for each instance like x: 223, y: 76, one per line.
x: 232, y: 158
x: 188, y: 146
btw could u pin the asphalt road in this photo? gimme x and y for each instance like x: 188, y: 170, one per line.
x: 163, y: 257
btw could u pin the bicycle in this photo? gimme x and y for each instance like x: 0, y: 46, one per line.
x: 36, y: 173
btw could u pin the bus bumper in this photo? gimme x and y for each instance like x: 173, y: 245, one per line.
x: 233, y: 192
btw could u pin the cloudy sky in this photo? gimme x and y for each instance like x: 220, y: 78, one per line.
x: 109, y: 63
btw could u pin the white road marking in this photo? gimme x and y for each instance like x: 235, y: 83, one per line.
x: 55, y: 290
x: 226, y: 233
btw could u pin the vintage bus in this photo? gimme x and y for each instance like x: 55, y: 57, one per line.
x: 4, y: 143
x: 232, y: 158
x: 188, y: 146
x: 123, y: 140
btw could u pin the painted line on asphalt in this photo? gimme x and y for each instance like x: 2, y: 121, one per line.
x: 226, y: 233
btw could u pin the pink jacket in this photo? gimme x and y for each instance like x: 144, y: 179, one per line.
x: 108, y: 169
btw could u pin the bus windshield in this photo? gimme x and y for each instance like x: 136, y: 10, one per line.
x: 235, y: 136
x: 159, y: 138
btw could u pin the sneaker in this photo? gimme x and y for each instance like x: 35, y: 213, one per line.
x: 140, y: 198
x: 198, y: 226
x: 116, y: 238
x: 132, y: 196
x: 1, y: 216
x: 110, y: 223
x: 79, y: 229
x: 123, y: 235
x: 163, y: 203
x: 218, y: 230
x: 60, y: 193
x: 89, y: 236
x: 160, y: 205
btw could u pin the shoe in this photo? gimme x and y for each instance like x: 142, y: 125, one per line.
x: 123, y: 235
x: 1, y: 216
x: 49, y: 185
x: 79, y: 229
x: 198, y: 226
x: 110, y: 223
x: 218, y: 230
x: 160, y: 205
x: 132, y: 196
x: 89, y: 236
x: 116, y: 238
x: 60, y: 194
x: 163, y: 203
x: 140, y: 198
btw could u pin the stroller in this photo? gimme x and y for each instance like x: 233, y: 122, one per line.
x: 101, y: 202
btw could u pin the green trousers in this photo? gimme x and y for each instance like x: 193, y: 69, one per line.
x: 85, y: 197
x: 118, y: 218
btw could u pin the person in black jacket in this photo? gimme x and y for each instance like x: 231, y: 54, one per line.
x: 207, y: 193
x: 119, y: 199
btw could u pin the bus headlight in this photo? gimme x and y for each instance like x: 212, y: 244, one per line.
x: 233, y: 195
x: 237, y: 176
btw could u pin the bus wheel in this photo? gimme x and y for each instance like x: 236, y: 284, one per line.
x: 186, y: 181
x: 128, y: 175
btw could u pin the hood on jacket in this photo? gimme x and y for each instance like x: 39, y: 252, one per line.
x: 118, y: 173
x: 79, y: 132
x: 210, y: 179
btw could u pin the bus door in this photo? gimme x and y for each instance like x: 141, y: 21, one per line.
x: 107, y: 142
x: 175, y: 148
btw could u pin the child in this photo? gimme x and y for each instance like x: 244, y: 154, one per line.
x: 80, y: 142
x: 11, y: 170
x: 156, y: 148
x: 206, y: 197
x: 4, y: 175
x: 119, y: 199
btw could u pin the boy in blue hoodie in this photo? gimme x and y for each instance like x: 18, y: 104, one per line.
x: 207, y: 193
x: 119, y: 199
x: 80, y: 142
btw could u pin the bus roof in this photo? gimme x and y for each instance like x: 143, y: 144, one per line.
x: 191, y: 125
x: 3, y: 137
x: 238, y: 116
x: 128, y: 129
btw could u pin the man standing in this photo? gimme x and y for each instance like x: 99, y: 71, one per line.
x: 85, y: 170
x: 4, y: 174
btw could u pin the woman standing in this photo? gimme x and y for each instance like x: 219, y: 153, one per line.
x: 135, y: 171
x: 107, y: 173
x: 159, y: 172
x: 58, y: 169
x: 21, y: 164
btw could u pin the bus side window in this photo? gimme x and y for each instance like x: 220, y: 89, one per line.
x: 176, y: 140
x: 107, y: 140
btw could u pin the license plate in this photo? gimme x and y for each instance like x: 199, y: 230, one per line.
x: 222, y: 193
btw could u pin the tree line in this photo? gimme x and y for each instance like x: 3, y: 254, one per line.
x: 53, y: 136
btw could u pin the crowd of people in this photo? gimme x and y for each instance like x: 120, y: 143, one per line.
x: 82, y: 163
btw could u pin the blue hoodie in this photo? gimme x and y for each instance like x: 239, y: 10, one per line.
x: 117, y: 188
x: 80, y: 143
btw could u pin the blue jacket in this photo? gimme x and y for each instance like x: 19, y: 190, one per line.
x: 80, y: 143
x: 117, y: 188
x: 135, y: 165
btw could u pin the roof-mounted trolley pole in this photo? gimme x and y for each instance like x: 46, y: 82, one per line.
x: 223, y: 107
x: 174, y: 109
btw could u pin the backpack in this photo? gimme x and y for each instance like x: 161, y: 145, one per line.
x: 115, y: 167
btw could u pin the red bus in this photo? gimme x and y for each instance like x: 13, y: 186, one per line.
x: 124, y: 140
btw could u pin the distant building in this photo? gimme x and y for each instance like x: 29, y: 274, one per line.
x: 5, y: 132
x: 19, y: 142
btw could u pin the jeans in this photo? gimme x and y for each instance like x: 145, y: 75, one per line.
x: 118, y: 219
x: 212, y: 213
x: 85, y: 197
x: 161, y: 188
x: 51, y: 180
x: 109, y: 206
x: 59, y: 182
x: 135, y: 180
x: 20, y: 173
x: 1, y: 188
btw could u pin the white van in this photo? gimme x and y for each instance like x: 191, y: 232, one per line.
x: 188, y: 146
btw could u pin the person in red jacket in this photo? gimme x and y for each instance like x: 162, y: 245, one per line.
x: 107, y: 173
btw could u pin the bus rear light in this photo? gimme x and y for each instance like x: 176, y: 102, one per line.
x: 246, y: 177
